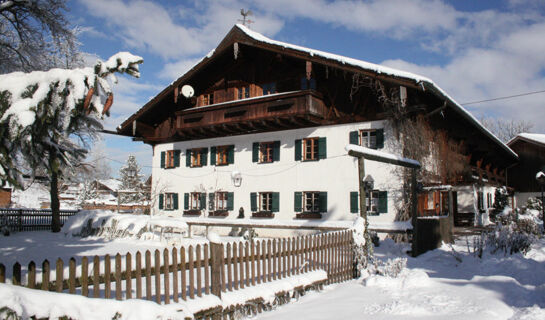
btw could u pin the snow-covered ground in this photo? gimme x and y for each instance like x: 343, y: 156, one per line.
x: 447, y: 283
x: 435, y: 285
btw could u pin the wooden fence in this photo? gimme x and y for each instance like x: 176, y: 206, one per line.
x: 191, y: 272
x: 30, y: 219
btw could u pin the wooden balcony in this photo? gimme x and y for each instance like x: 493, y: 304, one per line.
x: 274, y: 112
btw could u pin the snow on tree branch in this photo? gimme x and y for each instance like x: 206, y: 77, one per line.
x: 41, y: 111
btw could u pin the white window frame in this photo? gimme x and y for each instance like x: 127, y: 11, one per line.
x: 311, y: 202
x: 368, y: 138
x: 265, y: 201
x: 168, y: 201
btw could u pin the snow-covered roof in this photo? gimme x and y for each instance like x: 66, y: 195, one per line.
x: 531, y: 137
x: 112, y: 184
x: 424, y: 82
x: 418, y: 79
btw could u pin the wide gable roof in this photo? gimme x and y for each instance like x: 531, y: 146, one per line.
x: 242, y: 34
x: 535, y: 138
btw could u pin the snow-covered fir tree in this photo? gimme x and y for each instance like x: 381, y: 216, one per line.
x: 132, y: 189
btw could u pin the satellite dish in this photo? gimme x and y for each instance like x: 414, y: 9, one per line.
x: 188, y: 91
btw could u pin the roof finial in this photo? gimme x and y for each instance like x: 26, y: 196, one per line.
x: 246, y: 22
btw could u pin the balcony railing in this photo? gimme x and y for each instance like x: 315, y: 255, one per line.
x: 282, y: 110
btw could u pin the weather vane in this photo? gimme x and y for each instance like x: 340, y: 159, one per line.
x: 245, y: 21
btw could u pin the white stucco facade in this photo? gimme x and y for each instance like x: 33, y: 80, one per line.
x: 337, y: 174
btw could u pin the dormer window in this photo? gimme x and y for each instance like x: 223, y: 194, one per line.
x: 243, y: 92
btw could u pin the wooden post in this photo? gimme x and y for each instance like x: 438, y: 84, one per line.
x: 45, y: 275
x: 84, y: 276
x: 252, y: 254
x: 241, y: 264
x: 206, y: 270
x: 247, y: 260
x: 96, y: 277
x: 16, y: 278
x: 182, y: 273
x: 216, y: 255
x: 59, y: 275
x: 31, y: 275
x: 175, y: 274
x: 258, y: 261
x: 157, y: 276
x: 166, y: 275
x: 72, y: 276
x: 107, y: 273
x: 2, y: 273
x: 148, y: 275
x: 118, y: 277
x: 138, y: 266
x: 128, y: 275
x: 414, y: 204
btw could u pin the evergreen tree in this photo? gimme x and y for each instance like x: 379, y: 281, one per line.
x: 501, y: 201
x: 47, y: 119
x: 131, y: 182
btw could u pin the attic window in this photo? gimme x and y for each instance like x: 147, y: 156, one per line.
x: 243, y: 92
x: 269, y: 88
x: 207, y: 99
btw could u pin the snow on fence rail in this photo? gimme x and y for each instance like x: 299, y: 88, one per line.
x: 30, y: 219
x: 190, y: 273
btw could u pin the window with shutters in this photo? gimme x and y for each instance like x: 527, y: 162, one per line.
x: 311, y: 202
x: 222, y: 153
x: 266, y: 150
x: 265, y: 201
x: 221, y: 200
x: 196, y: 157
x: 372, y: 199
x: 195, y: 201
x: 310, y: 149
x: 169, y: 201
x: 169, y: 159
x: 368, y: 138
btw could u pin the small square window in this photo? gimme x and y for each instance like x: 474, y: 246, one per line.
x: 169, y: 160
x: 310, y: 149
x: 222, y: 155
x: 311, y: 202
x: 265, y: 201
x: 169, y: 201
x: 368, y: 138
x: 266, y: 150
x: 196, y: 157
x: 221, y: 200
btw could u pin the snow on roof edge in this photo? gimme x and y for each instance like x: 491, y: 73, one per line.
x: 532, y: 137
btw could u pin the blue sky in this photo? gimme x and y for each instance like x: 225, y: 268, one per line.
x: 474, y: 50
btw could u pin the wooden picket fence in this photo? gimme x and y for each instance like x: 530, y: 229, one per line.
x: 191, y: 272
x: 31, y: 219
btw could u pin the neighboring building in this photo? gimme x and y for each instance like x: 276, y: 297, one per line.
x: 530, y: 148
x: 266, y: 131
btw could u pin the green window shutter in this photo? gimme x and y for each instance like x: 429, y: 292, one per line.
x: 322, y: 148
x: 212, y: 156
x: 323, y: 201
x: 204, y: 156
x: 202, y: 200
x: 186, y: 201
x: 380, y: 138
x: 298, y: 150
x: 163, y: 155
x: 176, y: 158
x: 231, y: 154
x: 230, y: 200
x: 276, y: 151
x: 175, y: 201
x: 275, y: 201
x: 211, y: 202
x: 354, y: 202
x: 382, y: 201
x: 353, y: 137
x: 255, y: 152
x: 253, y: 201
x: 297, y: 201
x: 188, y: 158
x: 161, y: 199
